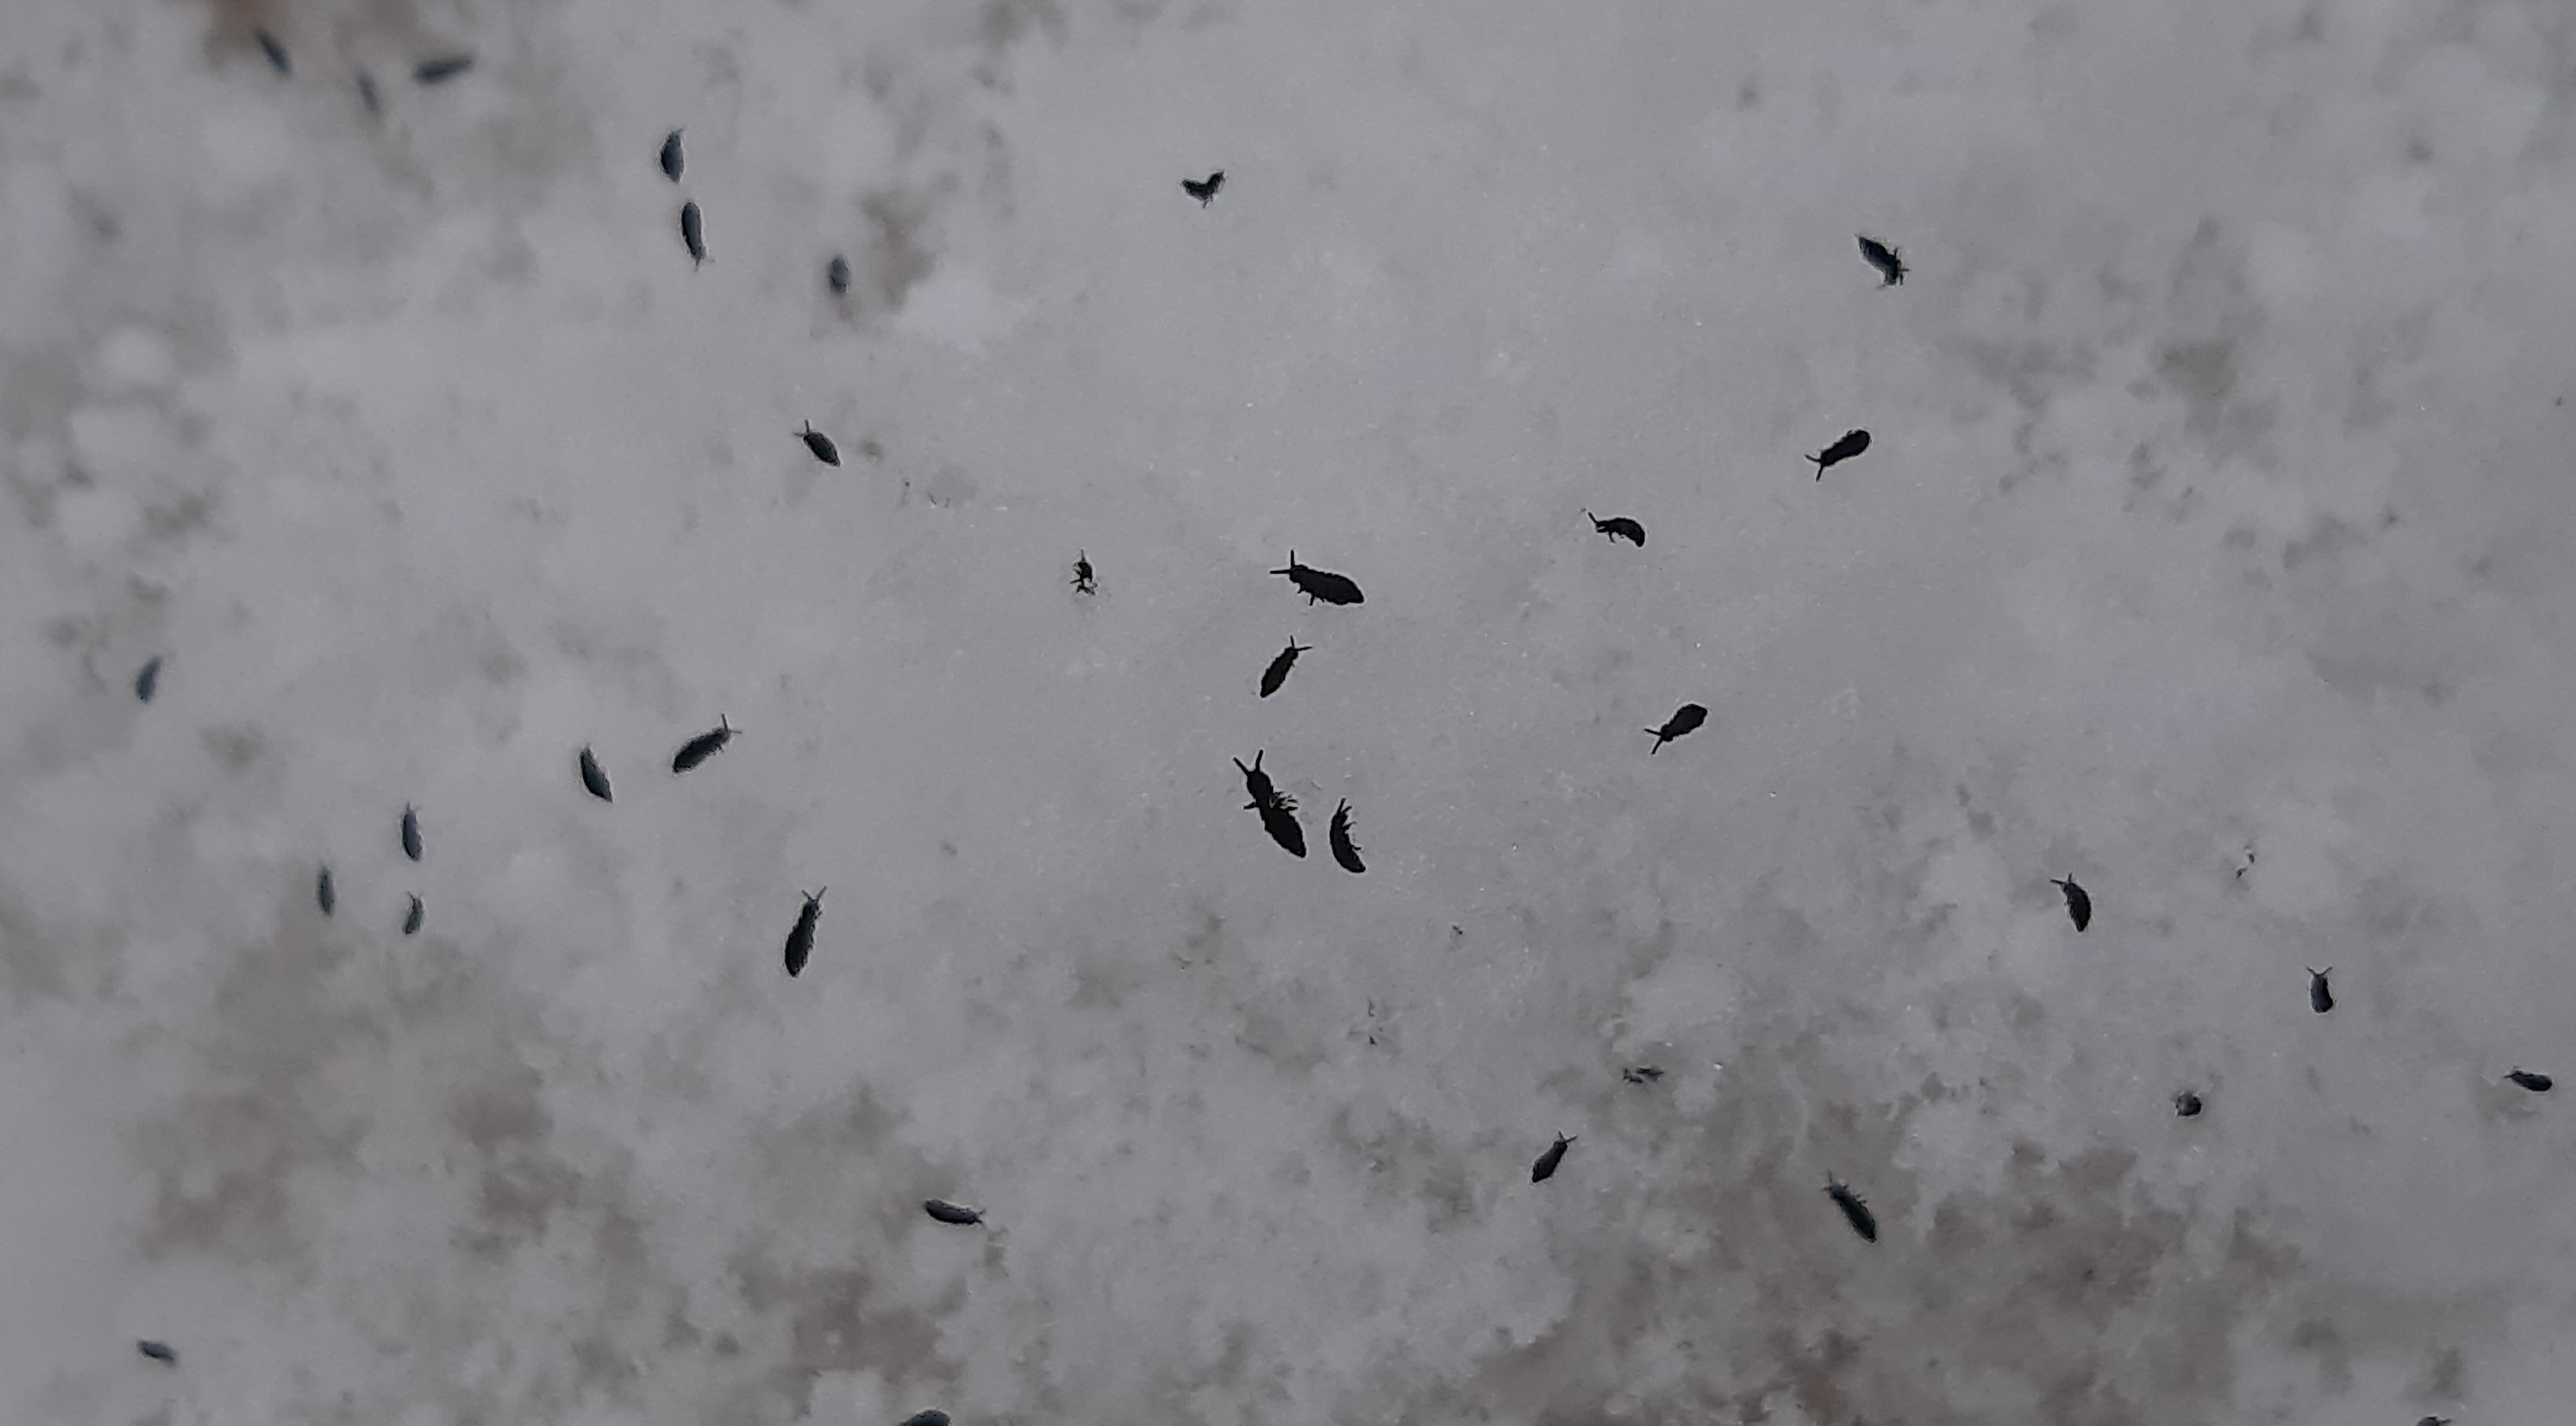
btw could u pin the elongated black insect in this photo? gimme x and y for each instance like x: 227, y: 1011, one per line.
x: 1257, y: 784
x: 1345, y: 851
x: 2536, y: 1083
x: 411, y: 832
x: 592, y: 777
x: 323, y: 895
x: 821, y: 445
x: 2187, y: 1104
x: 1545, y: 1168
x: 1851, y: 444
x: 1685, y: 718
x: 673, y: 160
x: 800, y: 941
x: 276, y: 52
x: 1082, y: 580
x: 1277, y: 674
x: 1879, y: 255
x: 1641, y: 1074
x: 1279, y: 819
x: 367, y: 93
x: 1855, y: 1209
x: 149, y: 679
x: 932, y: 1417
x: 1618, y: 527
x: 1321, y: 584
x: 1204, y: 189
x: 2079, y: 905
x: 412, y: 919
x: 836, y: 274
x: 2320, y: 998
x: 441, y: 69
x: 947, y: 1212
x: 158, y: 1351
x: 2434, y: 1421
x: 704, y: 746
x: 693, y: 232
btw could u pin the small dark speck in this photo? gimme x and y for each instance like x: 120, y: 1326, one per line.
x: 442, y: 69
x: 932, y: 1417
x: 276, y: 52
x: 367, y: 93
x: 2536, y: 1083
x: 148, y: 680
x: 837, y: 273
x: 158, y: 1351
x: 2187, y: 1104
x: 1642, y: 1074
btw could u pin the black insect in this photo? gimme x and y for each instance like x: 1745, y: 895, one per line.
x: 947, y: 1212
x: 2320, y: 998
x: 693, y: 232
x: 1256, y: 783
x: 1204, y: 189
x: 1879, y: 255
x: 1345, y: 851
x: 367, y: 93
x: 2434, y: 1421
x: 1852, y: 444
x: 1641, y: 1074
x: 159, y: 1352
x: 2536, y: 1083
x: 1685, y: 718
x: 704, y: 746
x: 441, y: 69
x: 1545, y: 1168
x: 927, y: 1418
x: 2187, y: 1104
x: 276, y: 52
x: 593, y: 778
x: 673, y: 160
x: 412, y: 919
x: 2079, y: 905
x: 149, y: 679
x: 1321, y: 584
x: 1083, y: 582
x: 836, y: 274
x: 1278, y: 810
x: 411, y: 832
x: 800, y: 941
x: 1618, y: 527
x: 323, y: 895
x: 821, y: 445
x: 1277, y: 674
x: 1855, y: 1209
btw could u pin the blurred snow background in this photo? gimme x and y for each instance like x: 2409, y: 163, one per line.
x: 2218, y: 505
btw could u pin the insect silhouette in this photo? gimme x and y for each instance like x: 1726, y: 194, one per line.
x: 1278, y: 810
x: 1879, y: 255
x: 1641, y: 1074
x: 411, y: 832
x: 2187, y: 1104
x: 148, y: 680
x: 1618, y: 527
x: 1855, y: 1209
x: 592, y: 777
x: 821, y: 445
x: 323, y: 895
x: 1685, y: 718
x: 673, y: 160
x: 367, y: 93
x: 704, y: 746
x: 1257, y: 785
x: 1321, y: 584
x: 2434, y: 1421
x: 2536, y: 1083
x: 442, y: 69
x: 276, y: 52
x: 1345, y: 851
x: 412, y: 919
x: 932, y: 1417
x: 1277, y: 674
x: 2079, y: 905
x: 1204, y: 189
x: 2320, y: 997
x: 1851, y: 444
x: 800, y: 941
x: 1545, y: 1168
x: 693, y: 231
x: 836, y: 274
x: 158, y: 1351
x: 947, y: 1212
x: 1083, y: 583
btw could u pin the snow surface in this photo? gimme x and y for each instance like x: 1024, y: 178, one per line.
x: 2217, y: 514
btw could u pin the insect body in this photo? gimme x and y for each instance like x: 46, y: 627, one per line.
x: 1851, y: 444
x: 1345, y: 851
x: 1204, y: 189
x: 836, y: 274
x: 1618, y: 527
x: 947, y: 1212
x: 1278, y: 810
x: 800, y: 941
x: 927, y: 1418
x: 158, y: 1351
x: 2187, y: 1104
x: 1256, y: 783
x: 412, y: 920
x: 593, y: 778
x: 673, y: 160
x: 1641, y: 1074
x: 693, y: 232
x: 276, y: 52
x: 1277, y: 674
x: 2079, y: 905
x: 442, y: 69
x: 1321, y: 584
x: 821, y: 445
x: 1879, y: 255
x: 2536, y: 1083
x: 1082, y: 579
x: 2320, y: 997
x: 148, y: 680
x: 411, y: 832
x: 1684, y: 719
x: 704, y: 746
x: 1545, y: 1168
x: 1855, y: 1209
x: 323, y: 895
